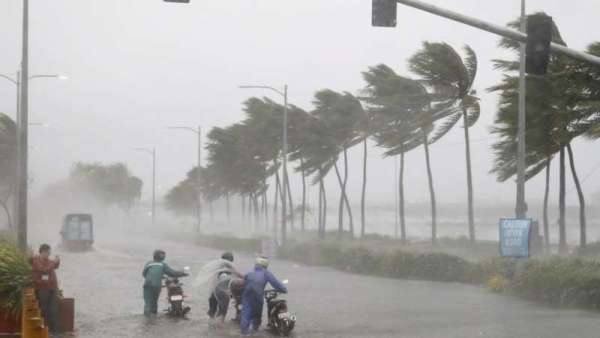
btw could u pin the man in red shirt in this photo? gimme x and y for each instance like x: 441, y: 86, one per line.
x: 46, y: 284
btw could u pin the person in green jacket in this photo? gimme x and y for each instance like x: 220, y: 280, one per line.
x: 153, y: 274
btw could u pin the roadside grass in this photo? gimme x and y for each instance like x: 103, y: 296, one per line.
x: 557, y: 281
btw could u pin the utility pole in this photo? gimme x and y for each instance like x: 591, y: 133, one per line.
x: 521, y: 209
x: 285, y: 173
x: 198, y: 133
x: 152, y: 152
x: 22, y: 144
x: 199, y: 180
x: 153, y: 185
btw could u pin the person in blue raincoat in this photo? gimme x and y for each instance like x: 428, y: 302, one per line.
x: 153, y: 274
x: 253, y: 296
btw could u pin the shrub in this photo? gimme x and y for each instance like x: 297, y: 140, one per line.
x: 561, y: 281
x: 15, y: 274
x: 498, y: 283
x: 497, y: 266
x: 591, y: 249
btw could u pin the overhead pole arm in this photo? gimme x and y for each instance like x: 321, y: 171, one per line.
x: 496, y: 29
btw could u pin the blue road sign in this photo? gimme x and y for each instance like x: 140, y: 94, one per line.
x: 514, y: 237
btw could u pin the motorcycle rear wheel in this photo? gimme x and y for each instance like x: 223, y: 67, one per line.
x: 284, y: 328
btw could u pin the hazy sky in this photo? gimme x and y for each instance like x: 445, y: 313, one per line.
x: 137, y: 66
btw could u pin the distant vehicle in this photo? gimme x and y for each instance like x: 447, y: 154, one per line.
x: 77, y: 232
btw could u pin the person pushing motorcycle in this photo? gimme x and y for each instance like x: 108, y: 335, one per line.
x: 220, y: 288
x: 153, y: 273
x: 253, y: 296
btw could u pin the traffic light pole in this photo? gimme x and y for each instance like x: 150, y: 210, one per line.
x: 496, y: 29
x: 521, y: 208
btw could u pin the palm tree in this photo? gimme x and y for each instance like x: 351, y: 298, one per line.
x: 440, y: 66
x: 560, y: 107
x: 394, y: 102
x: 343, y: 113
x: 8, y: 162
x: 319, y: 151
x: 298, y: 132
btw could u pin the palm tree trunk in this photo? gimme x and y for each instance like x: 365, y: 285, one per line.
x: 546, y: 195
x: 324, y: 208
x: 256, y: 211
x: 265, y: 211
x: 320, y: 225
x: 290, y: 202
x: 582, y: 219
x: 401, y: 199
x: 276, y: 201
x: 243, y: 199
x: 228, y: 208
x: 562, y: 244
x: 350, y: 218
x: 469, y: 179
x: 341, y: 204
x: 303, y: 217
x: 364, y: 190
x: 431, y: 191
x: 4, y: 205
x: 211, y: 211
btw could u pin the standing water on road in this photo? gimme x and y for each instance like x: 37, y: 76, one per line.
x: 107, y: 285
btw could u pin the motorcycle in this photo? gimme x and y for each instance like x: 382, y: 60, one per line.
x: 176, y: 297
x: 280, y: 320
x: 237, y: 289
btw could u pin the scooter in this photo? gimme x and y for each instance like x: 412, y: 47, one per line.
x: 280, y: 320
x: 176, y: 297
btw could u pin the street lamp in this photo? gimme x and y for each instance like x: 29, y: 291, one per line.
x: 152, y: 152
x: 17, y: 82
x: 284, y: 94
x: 198, y: 176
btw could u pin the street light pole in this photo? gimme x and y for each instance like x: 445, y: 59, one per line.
x: 521, y: 209
x: 284, y: 151
x: 22, y: 144
x: 152, y: 152
x: 153, y: 185
x: 199, y: 179
x: 198, y: 132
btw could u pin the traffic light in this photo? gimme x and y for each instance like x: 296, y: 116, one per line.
x: 384, y: 13
x: 539, y: 37
x: 179, y: 1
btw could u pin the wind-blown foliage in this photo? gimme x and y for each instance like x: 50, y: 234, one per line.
x: 110, y: 184
x: 561, y: 106
x: 15, y: 275
x: 441, y: 67
x: 8, y: 162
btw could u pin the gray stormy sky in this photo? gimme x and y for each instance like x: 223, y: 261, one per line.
x: 136, y: 66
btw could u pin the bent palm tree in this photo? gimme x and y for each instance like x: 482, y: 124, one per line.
x: 441, y: 67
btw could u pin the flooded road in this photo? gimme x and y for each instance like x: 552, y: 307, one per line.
x: 107, y: 286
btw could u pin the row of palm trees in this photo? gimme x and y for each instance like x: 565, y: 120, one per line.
x: 398, y: 112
